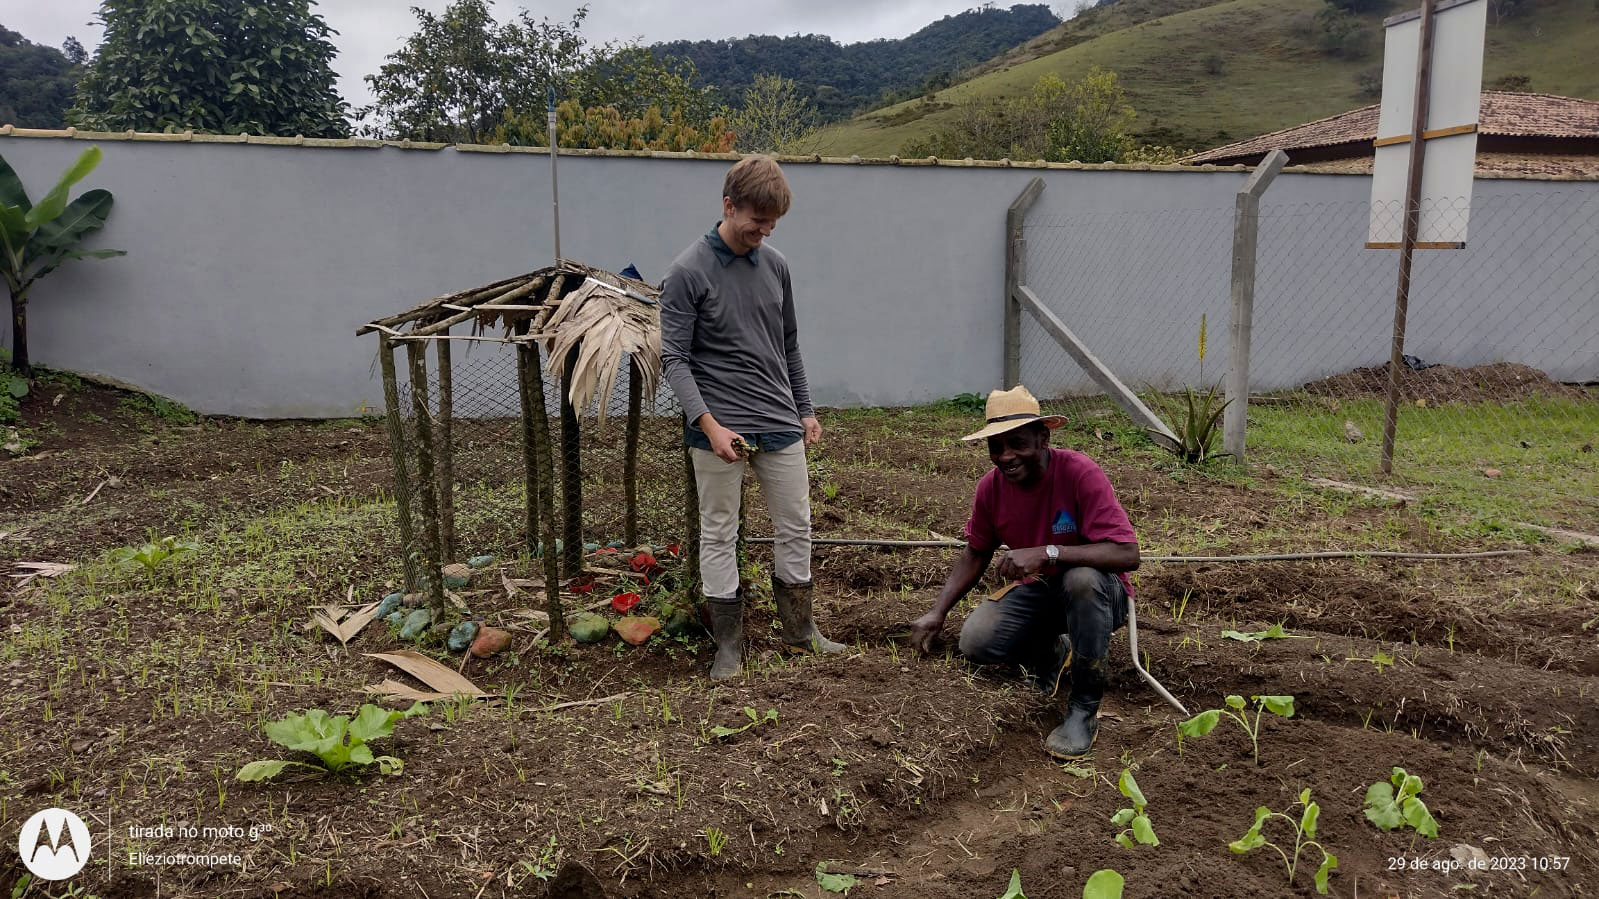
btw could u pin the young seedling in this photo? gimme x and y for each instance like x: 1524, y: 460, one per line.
x: 151, y: 555
x: 1393, y: 803
x: 1014, y: 889
x: 756, y: 720
x: 1104, y: 884
x: 1275, y: 632
x: 1304, y: 838
x: 339, y: 743
x: 1133, y: 819
x: 834, y: 883
x: 1381, y: 659
x: 1205, y: 722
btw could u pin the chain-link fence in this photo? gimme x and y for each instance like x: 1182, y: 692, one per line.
x: 1501, y: 338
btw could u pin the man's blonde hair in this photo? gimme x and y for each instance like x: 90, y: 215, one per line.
x: 755, y: 182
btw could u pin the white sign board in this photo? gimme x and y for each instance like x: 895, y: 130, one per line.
x: 1454, y: 100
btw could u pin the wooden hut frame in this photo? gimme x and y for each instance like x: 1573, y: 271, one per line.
x: 528, y: 309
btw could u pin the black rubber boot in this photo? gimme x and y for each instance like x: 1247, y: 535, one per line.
x: 1075, y: 736
x: 799, y: 621
x: 1052, y: 668
x: 727, y: 629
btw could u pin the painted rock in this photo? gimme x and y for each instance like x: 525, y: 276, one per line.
x: 390, y: 604
x: 589, y: 628
x: 635, y: 629
x: 490, y: 640
x: 462, y: 635
x: 482, y: 561
x: 416, y: 624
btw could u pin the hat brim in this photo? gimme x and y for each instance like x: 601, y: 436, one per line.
x: 1000, y: 427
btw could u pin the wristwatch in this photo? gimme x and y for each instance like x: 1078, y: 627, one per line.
x: 1053, y: 552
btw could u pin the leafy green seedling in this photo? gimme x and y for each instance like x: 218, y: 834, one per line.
x: 755, y: 720
x: 1133, y: 819
x: 1205, y: 722
x: 1104, y: 884
x: 1014, y: 890
x: 1275, y: 632
x: 1304, y: 838
x: 338, y: 742
x: 153, y: 554
x: 834, y: 883
x: 1381, y: 659
x: 1393, y: 803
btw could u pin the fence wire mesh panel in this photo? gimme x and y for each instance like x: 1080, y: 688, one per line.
x: 1132, y: 287
x: 486, y: 456
x: 1501, y: 342
x: 1501, y: 353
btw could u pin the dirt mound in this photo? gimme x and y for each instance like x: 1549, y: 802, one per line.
x: 1440, y: 384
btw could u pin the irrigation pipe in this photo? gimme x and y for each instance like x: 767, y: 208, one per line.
x: 1269, y: 557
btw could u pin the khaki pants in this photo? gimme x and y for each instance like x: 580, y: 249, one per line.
x: 785, y: 483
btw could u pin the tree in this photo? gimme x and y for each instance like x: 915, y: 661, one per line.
x: 606, y: 127
x: 1094, y: 127
x: 36, y: 83
x: 74, y: 52
x: 36, y: 239
x: 222, y: 66
x: 459, y: 74
x: 774, y: 118
x: 1084, y: 120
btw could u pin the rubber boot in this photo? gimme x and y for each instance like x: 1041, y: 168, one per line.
x: 799, y: 622
x: 1052, y: 669
x: 1075, y: 736
x: 727, y: 630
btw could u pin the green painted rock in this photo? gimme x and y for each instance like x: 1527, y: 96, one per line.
x: 482, y: 561
x: 538, y: 551
x: 395, y: 617
x: 462, y: 635
x: 681, y: 623
x: 390, y: 604
x: 590, y: 547
x: 589, y: 628
x: 614, y: 544
x: 456, y: 576
x: 416, y: 624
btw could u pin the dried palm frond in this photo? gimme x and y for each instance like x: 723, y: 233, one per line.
x: 608, y: 323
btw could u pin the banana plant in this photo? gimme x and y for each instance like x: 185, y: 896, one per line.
x: 36, y: 238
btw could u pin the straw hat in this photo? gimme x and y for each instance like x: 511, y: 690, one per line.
x: 1008, y: 410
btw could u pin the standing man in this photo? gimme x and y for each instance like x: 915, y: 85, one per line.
x: 730, y: 350
x: 1070, y: 547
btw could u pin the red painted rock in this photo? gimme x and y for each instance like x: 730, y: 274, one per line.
x: 624, y: 602
x: 490, y: 640
x: 636, y: 629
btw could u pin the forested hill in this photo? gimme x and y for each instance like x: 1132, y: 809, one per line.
x: 842, y: 79
x: 36, y: 82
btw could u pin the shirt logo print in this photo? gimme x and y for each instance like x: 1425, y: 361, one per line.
x: 1064, y: 523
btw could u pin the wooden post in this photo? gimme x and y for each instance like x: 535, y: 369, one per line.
x: 691, y: 526
x: 572, y: 470
x: 416, y: 352
x: 540, y: 461
x: 1246, y: 233
x: 446, y: 454
x: 1407, y: 248
x: 1015, y: 276
x: 635, y: 384
x: 402, y: 475
x: 530, y: 453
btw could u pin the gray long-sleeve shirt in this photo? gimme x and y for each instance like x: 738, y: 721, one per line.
x: 729, y: 338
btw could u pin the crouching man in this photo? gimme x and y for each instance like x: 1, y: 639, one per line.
x: 1069, y: 548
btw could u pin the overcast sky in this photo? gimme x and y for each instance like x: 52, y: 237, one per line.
x: 371, y: 29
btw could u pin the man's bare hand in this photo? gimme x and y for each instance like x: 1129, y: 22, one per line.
x: 722, y: 440
x: 813, y: 430
x: 924, y: 629
x: 1020, y: 563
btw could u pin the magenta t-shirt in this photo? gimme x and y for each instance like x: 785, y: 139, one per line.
x: 1072, y: 504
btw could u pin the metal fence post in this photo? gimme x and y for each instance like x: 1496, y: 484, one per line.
x: 1246, y: 233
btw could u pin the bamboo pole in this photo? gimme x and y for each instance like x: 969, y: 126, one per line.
x: 425, y: 476
x: 509, y: 296
x: 447, y: 546
x: 402, y: 476
x: 572, y: 470
x: 635, y: 385
x: 421, y: 309
x: 540, y: 463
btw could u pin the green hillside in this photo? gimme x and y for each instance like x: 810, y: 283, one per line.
x: 1207, y: 76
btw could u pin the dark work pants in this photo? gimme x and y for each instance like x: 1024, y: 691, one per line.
x: 1021, y: 628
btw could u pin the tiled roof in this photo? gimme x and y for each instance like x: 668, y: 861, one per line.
x: 1504, y: 113
x: 1543, y: 166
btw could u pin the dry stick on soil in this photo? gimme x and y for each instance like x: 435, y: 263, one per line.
x: 446, y: 453
x: 541, y: 482
x: 424, y: 472
x: 635, y: 385
x: 583, y: 702
x: 402, y: 478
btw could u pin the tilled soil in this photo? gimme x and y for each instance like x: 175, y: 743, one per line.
x: 599, y: 775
